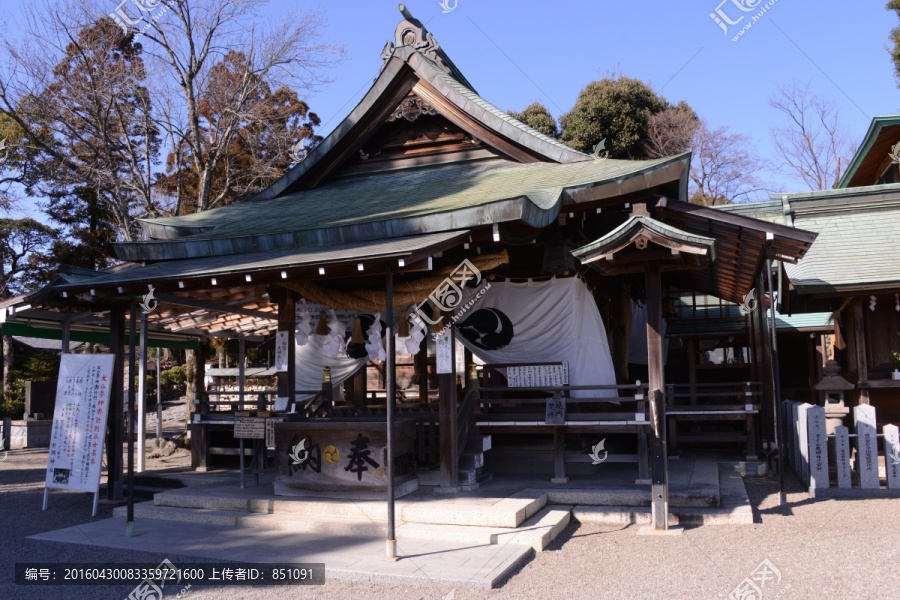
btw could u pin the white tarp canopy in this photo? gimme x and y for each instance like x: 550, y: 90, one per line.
x: 535, y: 322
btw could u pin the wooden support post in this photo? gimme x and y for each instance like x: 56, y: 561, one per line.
x: 358, y: 386
x: 242, y: 379
x: 449, y: 428
x: 287, y: 380
x: 202, y: 458
x: 559, y: 456
x: 421, y: 369
x: 116, y: 421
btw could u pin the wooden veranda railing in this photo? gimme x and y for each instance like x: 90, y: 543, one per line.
x: 715, y: 413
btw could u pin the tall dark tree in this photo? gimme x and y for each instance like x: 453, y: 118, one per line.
x: 614, y: 109
x: 537, y: 117
x: 21, y: 241
x: 259, y: 146
x: 87, y: 120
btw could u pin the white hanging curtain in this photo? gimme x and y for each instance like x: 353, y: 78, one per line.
x: 535, y: 322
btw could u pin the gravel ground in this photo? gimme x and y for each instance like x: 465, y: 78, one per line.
x: 822, y: 549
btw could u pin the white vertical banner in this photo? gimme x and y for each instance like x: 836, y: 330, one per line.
x: 443, y: 353
x: 83, y: 394
x: 282, y: 339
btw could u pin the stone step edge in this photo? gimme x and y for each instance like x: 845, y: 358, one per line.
x: 506, y: 512
x: 536, y: 532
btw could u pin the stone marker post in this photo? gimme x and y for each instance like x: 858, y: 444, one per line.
x: 795, y: 435
x: 892, y: 456
x: 842, y: 457
x: 818, y: 449
x: 803, y: 441
x: 866, y: 446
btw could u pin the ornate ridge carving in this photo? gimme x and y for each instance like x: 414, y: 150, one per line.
x: 411, y: 108
x: 411, y: 32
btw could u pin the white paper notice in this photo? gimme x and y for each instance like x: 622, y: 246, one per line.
x: 282, y: 338
x: 444, y: 352
x: 79, y: 421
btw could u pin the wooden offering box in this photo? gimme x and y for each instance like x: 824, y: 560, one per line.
x: 343, y: 458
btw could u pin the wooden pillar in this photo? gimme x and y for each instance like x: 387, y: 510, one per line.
x: 448, y: 416
x: 200, y: 460
x: 358, y: 387
x: 421, y: 370
x: 859, y: 337
x: 657, y: 382
x: 287, y: 380
x: 242, y: 379
x: 116, y: 422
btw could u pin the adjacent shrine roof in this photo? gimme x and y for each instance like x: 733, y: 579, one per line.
x: 857, y: 230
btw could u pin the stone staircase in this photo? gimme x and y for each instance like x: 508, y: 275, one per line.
x: 524, y: 519
x: 501, y: 512
x: 471, y: 465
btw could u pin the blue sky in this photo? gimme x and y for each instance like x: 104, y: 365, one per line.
x: 517, y: 52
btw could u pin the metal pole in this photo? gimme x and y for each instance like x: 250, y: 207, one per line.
x: 129, y: 521
x: 389, y: 402
x: 776, y: 374
x: 142, y: 397
x: 760, y: 324
x: 159, y: 432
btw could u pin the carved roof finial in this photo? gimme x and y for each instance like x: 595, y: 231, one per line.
x: 411, y: 32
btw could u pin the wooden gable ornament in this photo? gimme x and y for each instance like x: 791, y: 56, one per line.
x: 641, y: 240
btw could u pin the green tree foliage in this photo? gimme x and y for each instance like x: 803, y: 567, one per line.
x: 894, y: 5
x: 29, y: 365
x: 537, y: 117
x: 615, y: 110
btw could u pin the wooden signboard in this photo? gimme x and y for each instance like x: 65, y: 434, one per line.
x: 538, y: 375
x: 83, y: 394
x: 556, y: 410
x: 250, y: 428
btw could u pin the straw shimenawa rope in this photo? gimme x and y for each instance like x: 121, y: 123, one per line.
x: 406, y: 293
